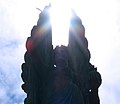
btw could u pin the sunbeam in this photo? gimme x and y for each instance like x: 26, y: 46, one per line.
x: 60, y: 18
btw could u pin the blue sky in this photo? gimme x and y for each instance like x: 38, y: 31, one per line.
x: 102, y: 23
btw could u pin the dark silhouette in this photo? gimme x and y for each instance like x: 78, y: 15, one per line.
x: 62, y: 75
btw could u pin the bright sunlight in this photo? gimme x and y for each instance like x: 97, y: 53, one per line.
x: 60, y: 18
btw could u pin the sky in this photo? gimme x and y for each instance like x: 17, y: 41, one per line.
x: 102, y: 25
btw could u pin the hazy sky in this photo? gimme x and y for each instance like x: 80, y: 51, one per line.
x: 101, y: 19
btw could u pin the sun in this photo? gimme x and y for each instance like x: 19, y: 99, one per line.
x: 60, y: 14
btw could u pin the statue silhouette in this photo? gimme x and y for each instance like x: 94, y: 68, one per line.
x: 62, y: 75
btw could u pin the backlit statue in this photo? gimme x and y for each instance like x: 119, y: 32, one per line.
x: 62, y: 75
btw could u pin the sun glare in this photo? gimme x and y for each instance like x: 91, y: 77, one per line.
x: 60, y: 18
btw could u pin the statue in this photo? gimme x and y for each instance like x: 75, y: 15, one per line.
x: 65, y: 91
x: 62, y: 75
x: 84, y: 74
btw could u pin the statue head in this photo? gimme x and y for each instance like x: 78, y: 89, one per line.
x: 61, y: 55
